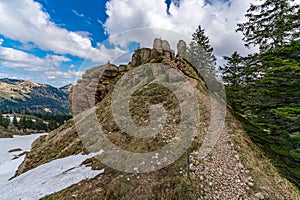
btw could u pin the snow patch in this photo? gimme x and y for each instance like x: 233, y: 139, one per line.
x: 8, y: 166
x: 43, y: 180
x: 49, y: 178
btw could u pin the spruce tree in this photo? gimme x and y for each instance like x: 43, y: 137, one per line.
x: 5, y: 122
x: 15, y: 121
x: 200, y: 54
x: 233, y: 77
x: 267, y: 94
x: 1, y: 118
x: 271, y: 24
x: 22, y: 123
x: 232, y: 71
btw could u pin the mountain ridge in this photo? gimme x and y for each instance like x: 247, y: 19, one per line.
x: 24, y: 96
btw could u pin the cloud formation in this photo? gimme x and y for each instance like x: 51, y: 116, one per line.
x: 66, y: 75
x: 218, y: 19
x: 140, y: 21
x: 78, y: 14
x: 13, y: 58
x: 26, y: 21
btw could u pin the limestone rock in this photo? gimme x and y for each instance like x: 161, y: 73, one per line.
x: 169, y: 55
x: 141, y: 56
x: 259, y: 195
x: 123, y: 68
x: 95, y: 82
x: 92, y: 88
x: 181, y: 48
x: 157, y: 45
x: 111, y: 71
x: 165, y: 45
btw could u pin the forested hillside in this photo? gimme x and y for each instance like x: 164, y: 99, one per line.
x: 263, y: 88
x: 21, y: 96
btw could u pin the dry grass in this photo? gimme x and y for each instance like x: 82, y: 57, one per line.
x: 9, y: 91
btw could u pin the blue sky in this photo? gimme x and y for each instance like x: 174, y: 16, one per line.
x: 54, y: 42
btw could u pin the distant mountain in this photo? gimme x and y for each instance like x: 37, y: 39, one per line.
x: 66, y: 88
x: 25, y: 96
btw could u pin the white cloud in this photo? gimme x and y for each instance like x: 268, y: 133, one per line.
x: 14, y: 58
x: 60, y: 74
x: 219, y: 21
x: 124, y: 15
x: 78, y: 14
x: 3, y: 74
x: 71, y: 66
x: 100, y: 22
x: 28, y: 46
x: 25, y: 21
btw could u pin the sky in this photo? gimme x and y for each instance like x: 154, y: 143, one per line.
x: 54, y: 42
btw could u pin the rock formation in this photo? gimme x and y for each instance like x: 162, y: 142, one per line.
x: 95, y: 83
x: 165, y: 45
x: 93, y: 86
x: 181, y: 47
x: 157, y: 44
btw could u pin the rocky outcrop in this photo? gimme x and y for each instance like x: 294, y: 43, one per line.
x: 95, y: 83
x: 157, y: 44
x: 140, y: 57
x: 162, y: 48
x: 181, y: 47
x: 165, y: 45
x: 92, y: 88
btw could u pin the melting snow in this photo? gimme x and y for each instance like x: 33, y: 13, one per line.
x: 7, y: 165
x: 43, y: 180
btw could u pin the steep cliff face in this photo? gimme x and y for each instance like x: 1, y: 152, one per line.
x: 93, y: 86
x: 234, y: 169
